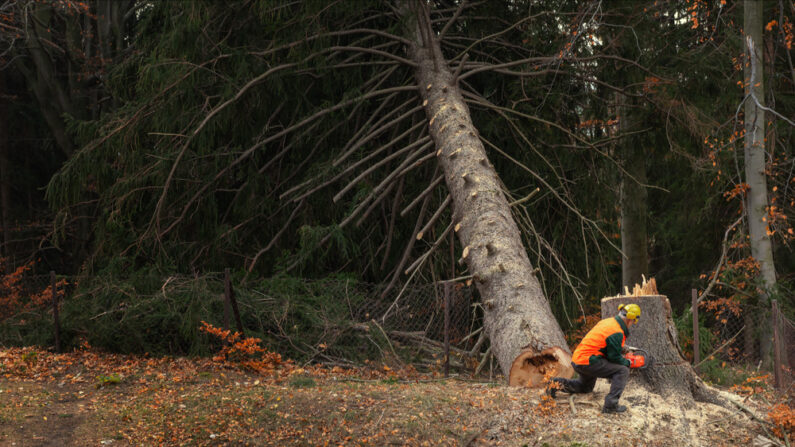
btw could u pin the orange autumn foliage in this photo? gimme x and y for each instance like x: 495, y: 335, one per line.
x: 783, y: 417
x: 245, y: 352
x: 17, y: 296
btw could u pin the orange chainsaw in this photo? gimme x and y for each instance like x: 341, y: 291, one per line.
x: 638, y: 358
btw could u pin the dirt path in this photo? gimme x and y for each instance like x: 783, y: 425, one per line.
x: 52, y: 414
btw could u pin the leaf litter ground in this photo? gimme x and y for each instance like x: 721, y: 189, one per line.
x: 86, y: 398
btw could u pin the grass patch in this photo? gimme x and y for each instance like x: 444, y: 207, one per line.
x: 302, y: 382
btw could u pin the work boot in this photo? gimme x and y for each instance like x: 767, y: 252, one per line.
x: 614, y: 409
x: 552, y: 390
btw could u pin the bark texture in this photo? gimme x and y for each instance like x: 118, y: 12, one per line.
x: 517, y: 318
x: 754, y: 148
x: 671, y: 376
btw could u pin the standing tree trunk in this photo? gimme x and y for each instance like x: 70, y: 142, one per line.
x: 756, y: 208
x: 5, y: 183
x: 635, y: 258
x: 671, y: 375
x: 517, y: 316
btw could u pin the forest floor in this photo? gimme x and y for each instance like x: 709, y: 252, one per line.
x: 85, y: 398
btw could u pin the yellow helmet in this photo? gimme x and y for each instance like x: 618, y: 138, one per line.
x: 632, y: 311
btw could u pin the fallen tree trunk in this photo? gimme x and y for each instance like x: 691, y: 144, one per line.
x: 526, y: 339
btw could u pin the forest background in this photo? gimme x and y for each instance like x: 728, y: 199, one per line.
x: 146, y: 146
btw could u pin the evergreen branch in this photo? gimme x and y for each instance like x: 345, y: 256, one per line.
x: 493, y: 67
x: 372, y: 154
x: 482, y: 101
x: 385, y: 54
x: 248, y: 152
x: 553, y: 191
x: 291, y: 45
x: 275, y: 238
x: 499, y: 33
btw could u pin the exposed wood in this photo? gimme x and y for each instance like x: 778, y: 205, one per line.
x: 533, y: 369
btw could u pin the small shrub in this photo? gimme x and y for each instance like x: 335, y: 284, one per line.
x: 112, y: 379
x: 718, y: 372
x: 30, y: 358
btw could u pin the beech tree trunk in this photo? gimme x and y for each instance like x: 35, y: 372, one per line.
x: 5, y: 182
x: 671, y: 375
x: 517, y: 316
x: 754, y: 147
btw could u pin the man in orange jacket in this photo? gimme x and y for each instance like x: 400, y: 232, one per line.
x: 599, y: 355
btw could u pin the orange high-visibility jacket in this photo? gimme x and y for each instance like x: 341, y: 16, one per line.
x: 605, y: 340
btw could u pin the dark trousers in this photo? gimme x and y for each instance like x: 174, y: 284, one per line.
x: 618, y: 375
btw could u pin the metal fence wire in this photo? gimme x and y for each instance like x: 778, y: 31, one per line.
x: 407, y: 322
x: 739, y: 336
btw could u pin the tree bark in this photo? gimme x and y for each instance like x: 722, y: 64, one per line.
x: 5, y: 183
x: 635, y: 259
x: 671, y: 375
x: 517, y: 316
x: 754, y: 151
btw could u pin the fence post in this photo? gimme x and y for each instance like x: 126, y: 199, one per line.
x: 447, y: 329
x: 777, y: 347
x: 696, y: 348
x: 231, y: 302
x: 57, y: 324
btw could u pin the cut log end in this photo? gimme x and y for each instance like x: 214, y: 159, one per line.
x: 533, y: 369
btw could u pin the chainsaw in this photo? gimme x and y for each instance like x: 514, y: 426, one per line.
x: 638, y: 358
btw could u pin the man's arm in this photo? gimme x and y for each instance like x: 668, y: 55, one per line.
x: 613, y: 349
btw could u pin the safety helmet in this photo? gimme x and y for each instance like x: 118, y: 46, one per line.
x: 630, y: 311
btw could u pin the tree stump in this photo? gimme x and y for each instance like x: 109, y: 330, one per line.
x: 671, y: 375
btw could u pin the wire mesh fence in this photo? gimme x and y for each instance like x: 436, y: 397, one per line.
x: 405, y: 324
x: 349, y: 322
x: 333, y: 320
x: 748, y: 338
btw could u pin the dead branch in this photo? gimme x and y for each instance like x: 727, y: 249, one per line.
x: 406, y: 251
x: 375, y: 203
x: 724, y: 251
x: 482, y: 363
x: 435, y: 216
x: 377, y: 165
x: 422, y: 195
x: 419, y: 261
x: 452, y: 19
x: 384, y: 183
x: 418, y: 163
x: 392, y: 217
x: 377, y: 132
